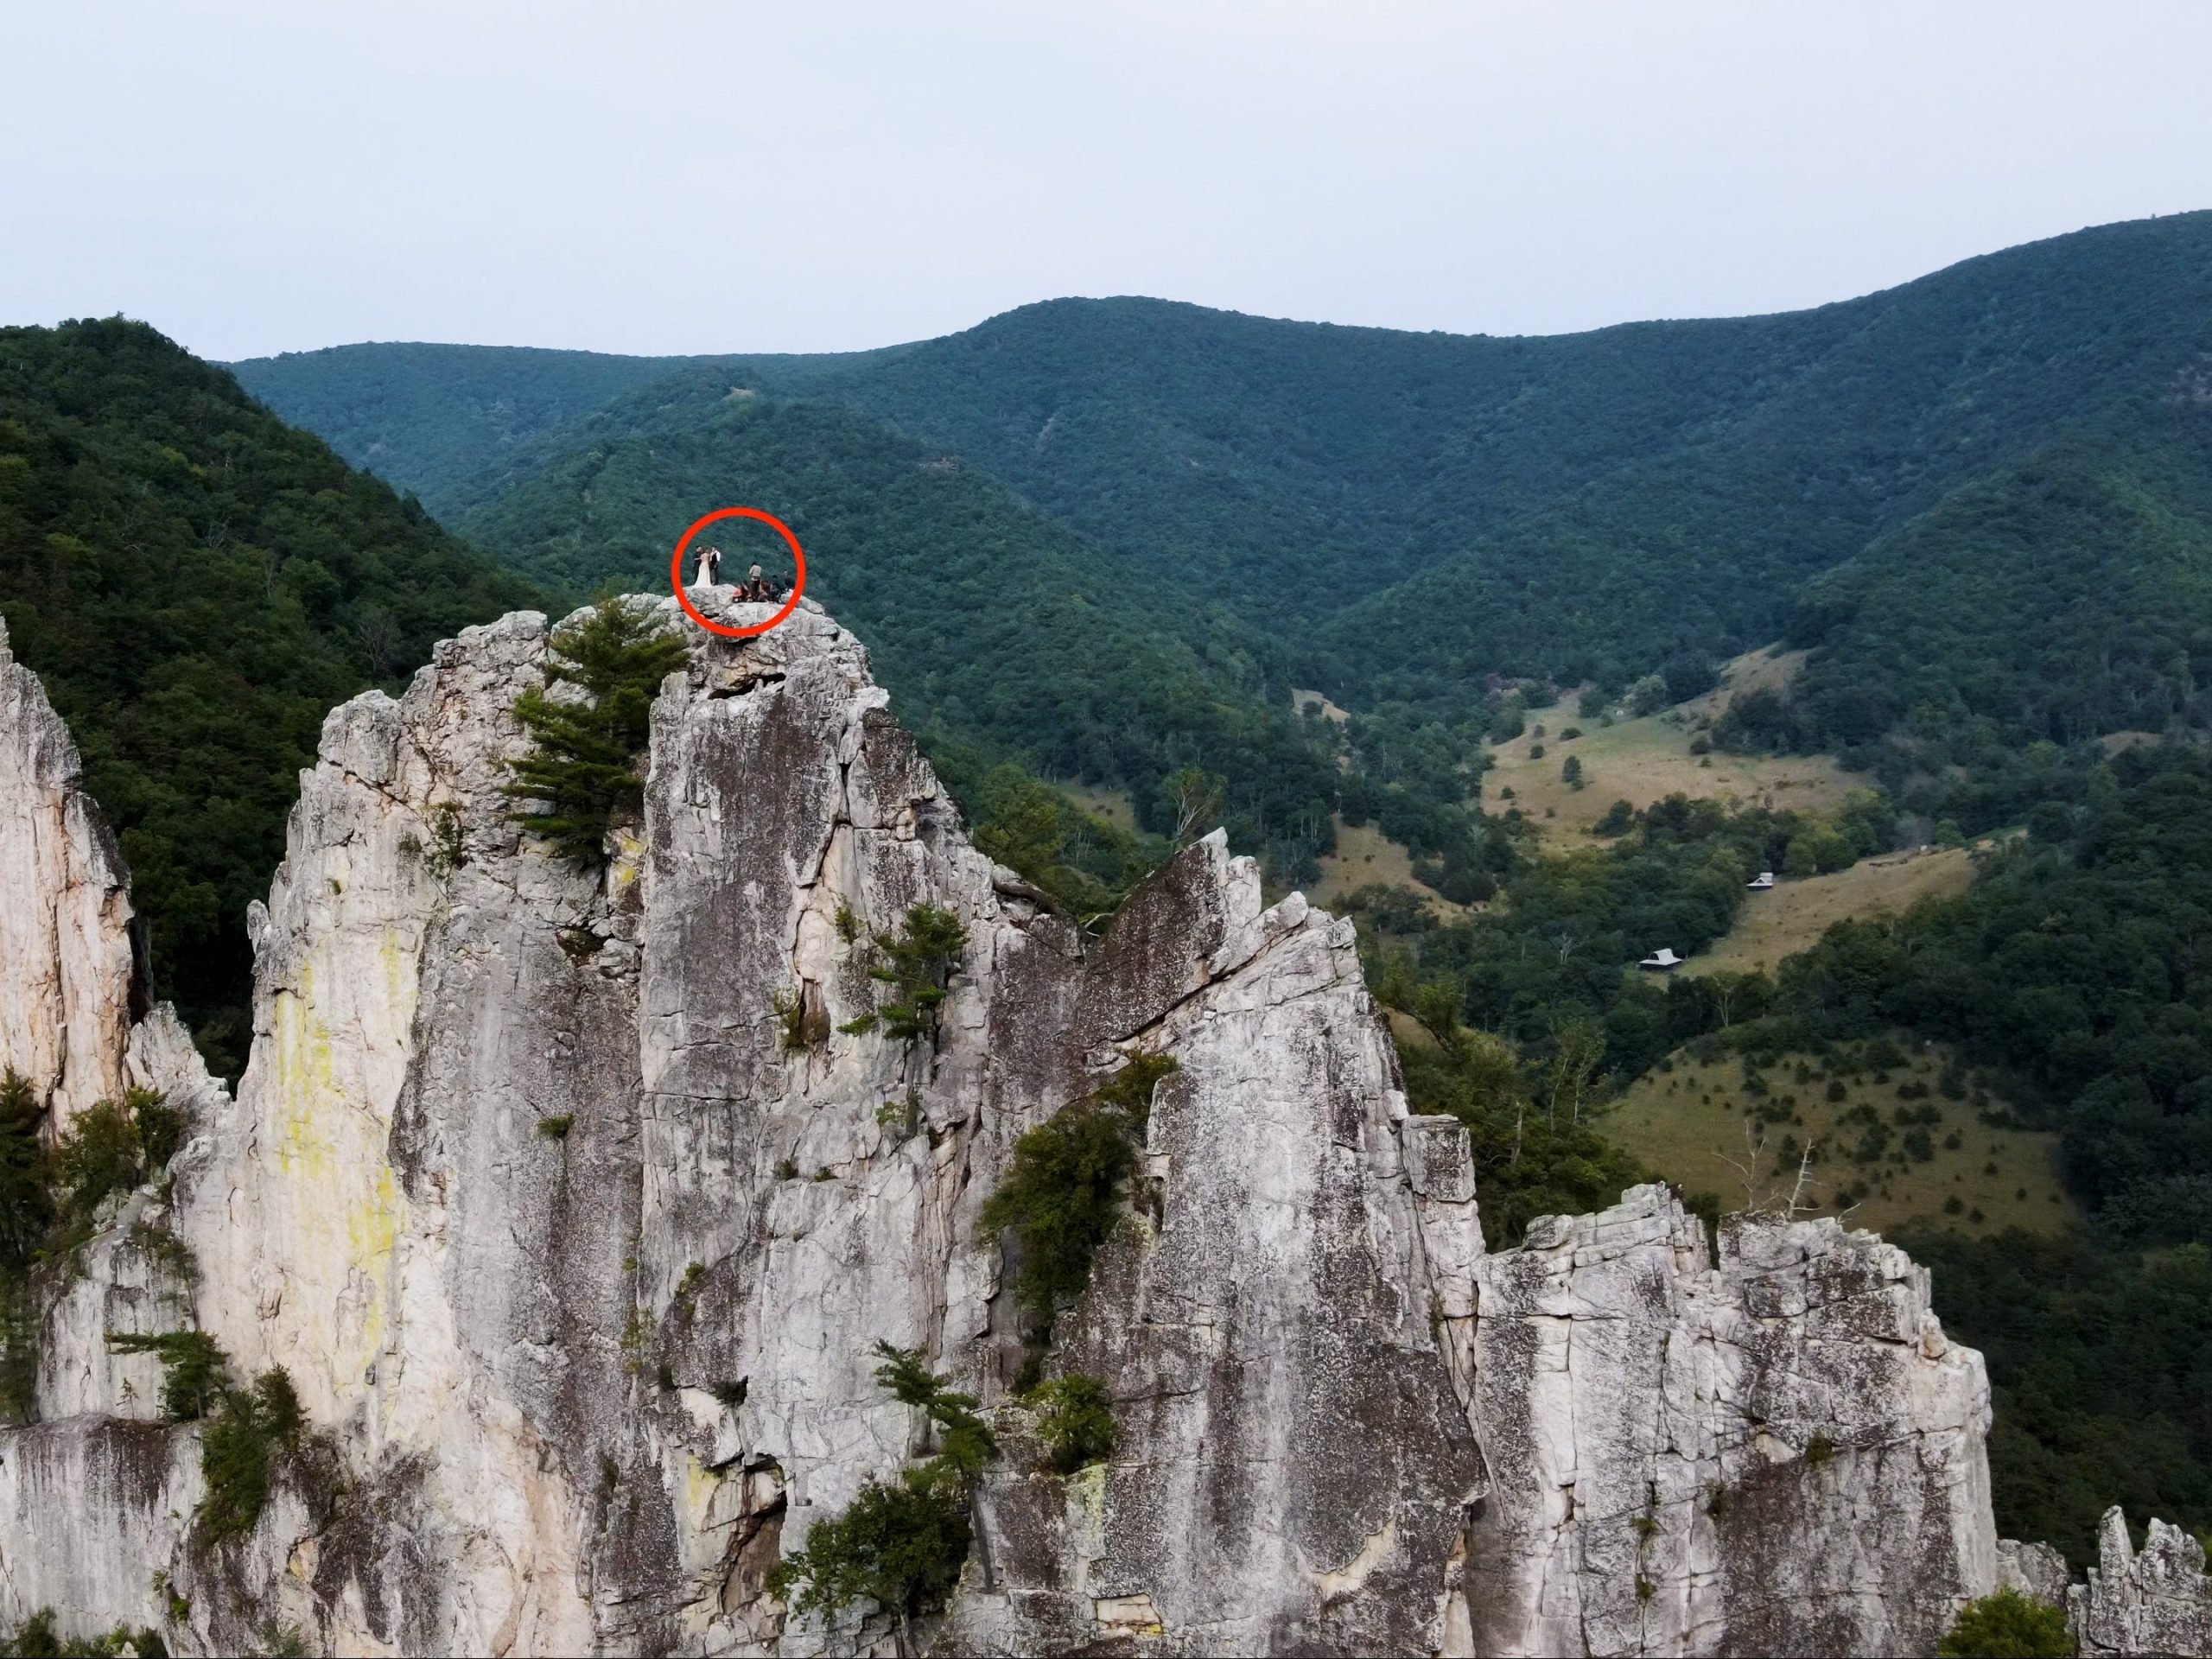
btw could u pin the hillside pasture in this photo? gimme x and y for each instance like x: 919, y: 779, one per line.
x: 1946, y: 1165
x: 1793, y: 915
x: 1770, y: 669
x: 1365, y: 856
x: 1302, y: 700
x: 1642, y: 761
x: 1113, y: 805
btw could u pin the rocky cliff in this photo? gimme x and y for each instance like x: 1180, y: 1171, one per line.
x: 68, y: 968
x: 573, y: 1216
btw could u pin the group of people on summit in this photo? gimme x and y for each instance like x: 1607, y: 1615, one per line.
x: 756, y: 588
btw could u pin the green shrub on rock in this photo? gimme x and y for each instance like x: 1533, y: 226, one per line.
x: 26, y: 1202
x: 248, y: 1428
x: 900, y: 1544
x: 1061, y: 1195
x: 193, y: 1367
x: 1075, y: 1419
x: 2008, y: 1625
x: 37, y: 1639
x: 916, y: 963
x: 240, y: 1451
x: 1060, y: 1200
x: 110, y: 1147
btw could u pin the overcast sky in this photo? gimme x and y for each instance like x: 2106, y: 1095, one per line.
x: 808, y: 175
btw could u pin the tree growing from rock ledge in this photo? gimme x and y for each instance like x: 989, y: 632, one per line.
x: 916, y: 962
x: 900, y: 1544
x: 582, y: 769
x: 248, y: 1429
x: 26, y: 1205
x: 1061, y: 1196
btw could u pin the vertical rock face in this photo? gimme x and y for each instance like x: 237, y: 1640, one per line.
x: 66, y: 968
x: 573, y: 1213
x: 1294, y: 1468
x: 1779, y: 1454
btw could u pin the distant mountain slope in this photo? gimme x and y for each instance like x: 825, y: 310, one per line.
x: 1934, y: 384
x: 423, y: 416
x: 2061, y: 598
x: 1294, y: 464
x: 1400, y: 517
x: 989, y: 621
x: 197, y: 583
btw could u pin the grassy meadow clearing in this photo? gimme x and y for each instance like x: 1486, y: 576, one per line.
x: 1890, y: 1144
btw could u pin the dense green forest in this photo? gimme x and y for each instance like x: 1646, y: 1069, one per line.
x: 1831, y: 440
x: 991, y: 623
x: 2068, y: 596
x: 2100, y: 1371
x: 197, y: 584
x: 1397, y: 516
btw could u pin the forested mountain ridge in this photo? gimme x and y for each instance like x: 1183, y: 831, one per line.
x: 2057, y: 598
x: 1896, y: 399
x: 197, y: 584
x: 424, y: 416
x: 1398, y: 516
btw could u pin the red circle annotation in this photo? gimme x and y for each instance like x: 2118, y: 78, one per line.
x: 676, y: 570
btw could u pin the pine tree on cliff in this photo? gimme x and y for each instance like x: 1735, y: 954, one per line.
x: 582, y: 770
x: 26, y: 1205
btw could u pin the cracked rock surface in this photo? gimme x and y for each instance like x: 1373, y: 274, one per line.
x: 68, y: 974
x: 1778, y: 1454
x: 579, y: 1257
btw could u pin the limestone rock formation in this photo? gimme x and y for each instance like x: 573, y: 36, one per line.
x: 67, y: 969
x: 573, y: 1214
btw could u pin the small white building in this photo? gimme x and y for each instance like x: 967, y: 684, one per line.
x: 1765, y: 880
x: 1664, y: 960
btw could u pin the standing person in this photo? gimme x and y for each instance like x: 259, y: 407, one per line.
x: 711, y: 568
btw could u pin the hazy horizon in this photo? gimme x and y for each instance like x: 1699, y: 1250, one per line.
x: 252, y: 179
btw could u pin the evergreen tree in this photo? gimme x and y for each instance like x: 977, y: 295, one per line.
x: 583, y: 770
x: 25, y: 1207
